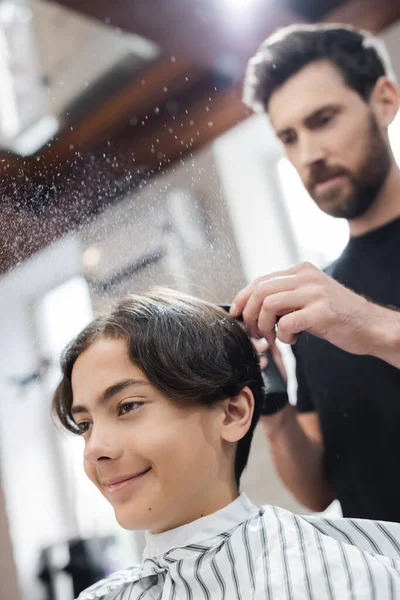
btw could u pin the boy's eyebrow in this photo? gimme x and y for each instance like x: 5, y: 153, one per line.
x: 109, y: 393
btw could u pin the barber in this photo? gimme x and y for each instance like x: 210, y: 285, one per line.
x: 342, y: 440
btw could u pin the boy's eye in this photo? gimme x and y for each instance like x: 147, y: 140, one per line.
x: 83, y: 426
x: 128, y: 407
x: 122, y: 409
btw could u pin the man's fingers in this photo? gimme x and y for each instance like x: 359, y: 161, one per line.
x: 280, y: 277
x: 261, y: 319
x: 292, y: 324
x: 240, y: 300
x: 243, y: 296
x: 277, y: 356
x: 278, y: 305
x: 274, y: 285
x: 261, y: 295
x: 276, y: 275
x: 260, y: 345
x: 270, y: 336
x: 263, y: 362
x: 286, y: 338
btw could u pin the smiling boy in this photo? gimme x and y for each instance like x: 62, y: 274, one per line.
x: 166, y: 392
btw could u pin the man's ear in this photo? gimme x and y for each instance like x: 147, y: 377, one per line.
x: 238, y: 415
x: 385, y: 101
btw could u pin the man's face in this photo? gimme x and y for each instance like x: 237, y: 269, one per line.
x: 159, y: 463
x: 332, y: 138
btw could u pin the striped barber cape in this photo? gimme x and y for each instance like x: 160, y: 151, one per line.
x: 247, y: 552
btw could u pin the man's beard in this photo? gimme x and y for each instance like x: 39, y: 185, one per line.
x: 366, y: 183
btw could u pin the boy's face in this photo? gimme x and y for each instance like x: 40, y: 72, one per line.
x: 160, y: 463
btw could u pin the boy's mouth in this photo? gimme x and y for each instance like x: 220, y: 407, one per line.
x: 116, y: 484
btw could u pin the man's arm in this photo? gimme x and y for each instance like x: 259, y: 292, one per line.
x: 306, y: 299
x: 296, y: 443
x: 385, y: 335
x: 298, y: 453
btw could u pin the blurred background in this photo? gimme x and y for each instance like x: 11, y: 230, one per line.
x: 128, y: 160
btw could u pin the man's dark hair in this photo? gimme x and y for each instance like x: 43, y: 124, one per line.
x: 189, y: 349
x: 360, y: 57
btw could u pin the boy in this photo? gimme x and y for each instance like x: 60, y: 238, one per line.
x: 166, y: 391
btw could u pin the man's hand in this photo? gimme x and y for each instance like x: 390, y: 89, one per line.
x: 306, y: 299
x: 261, y: 345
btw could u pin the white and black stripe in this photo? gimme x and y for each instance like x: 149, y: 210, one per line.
x: 248, y: 553
x: 249, y: 557
x: 265, y: 556
x: 303, y: 553
x: 285, y: 562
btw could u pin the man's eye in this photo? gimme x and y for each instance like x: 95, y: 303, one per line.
x: 288, y: 140
x: 128, y: 407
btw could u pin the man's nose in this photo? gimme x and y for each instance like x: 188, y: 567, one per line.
x: 311, y: 150
x: 103, y: 444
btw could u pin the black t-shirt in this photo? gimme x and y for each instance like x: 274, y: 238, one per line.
x: 358, y: 397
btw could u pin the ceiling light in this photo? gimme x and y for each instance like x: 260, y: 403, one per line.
x: 237, y: 4
x: 25, y: 124
x: 36, y: 136
x: 91, y: 257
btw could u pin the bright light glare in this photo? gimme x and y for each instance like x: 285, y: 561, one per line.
x: 91, y: 257
x: 321, y: 238
x: 9, y: 121
x: 36, y: 136
x: 237, y: 4
x: 63, y: 312
x: 394, y: 137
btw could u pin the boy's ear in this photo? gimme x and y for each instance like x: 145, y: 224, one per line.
x: 238, y: 415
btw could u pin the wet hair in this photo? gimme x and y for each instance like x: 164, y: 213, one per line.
x: 360, y: 57
x: 189, y: 349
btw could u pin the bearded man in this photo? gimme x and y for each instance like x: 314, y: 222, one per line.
x: 330, y: 95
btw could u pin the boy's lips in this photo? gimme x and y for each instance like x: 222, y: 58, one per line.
x: 116, y: 483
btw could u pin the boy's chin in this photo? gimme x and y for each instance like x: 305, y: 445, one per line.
x: 137, y: 521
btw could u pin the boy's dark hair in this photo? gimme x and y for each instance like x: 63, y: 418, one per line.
x: 189, y: 349
x: 360, y: 57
